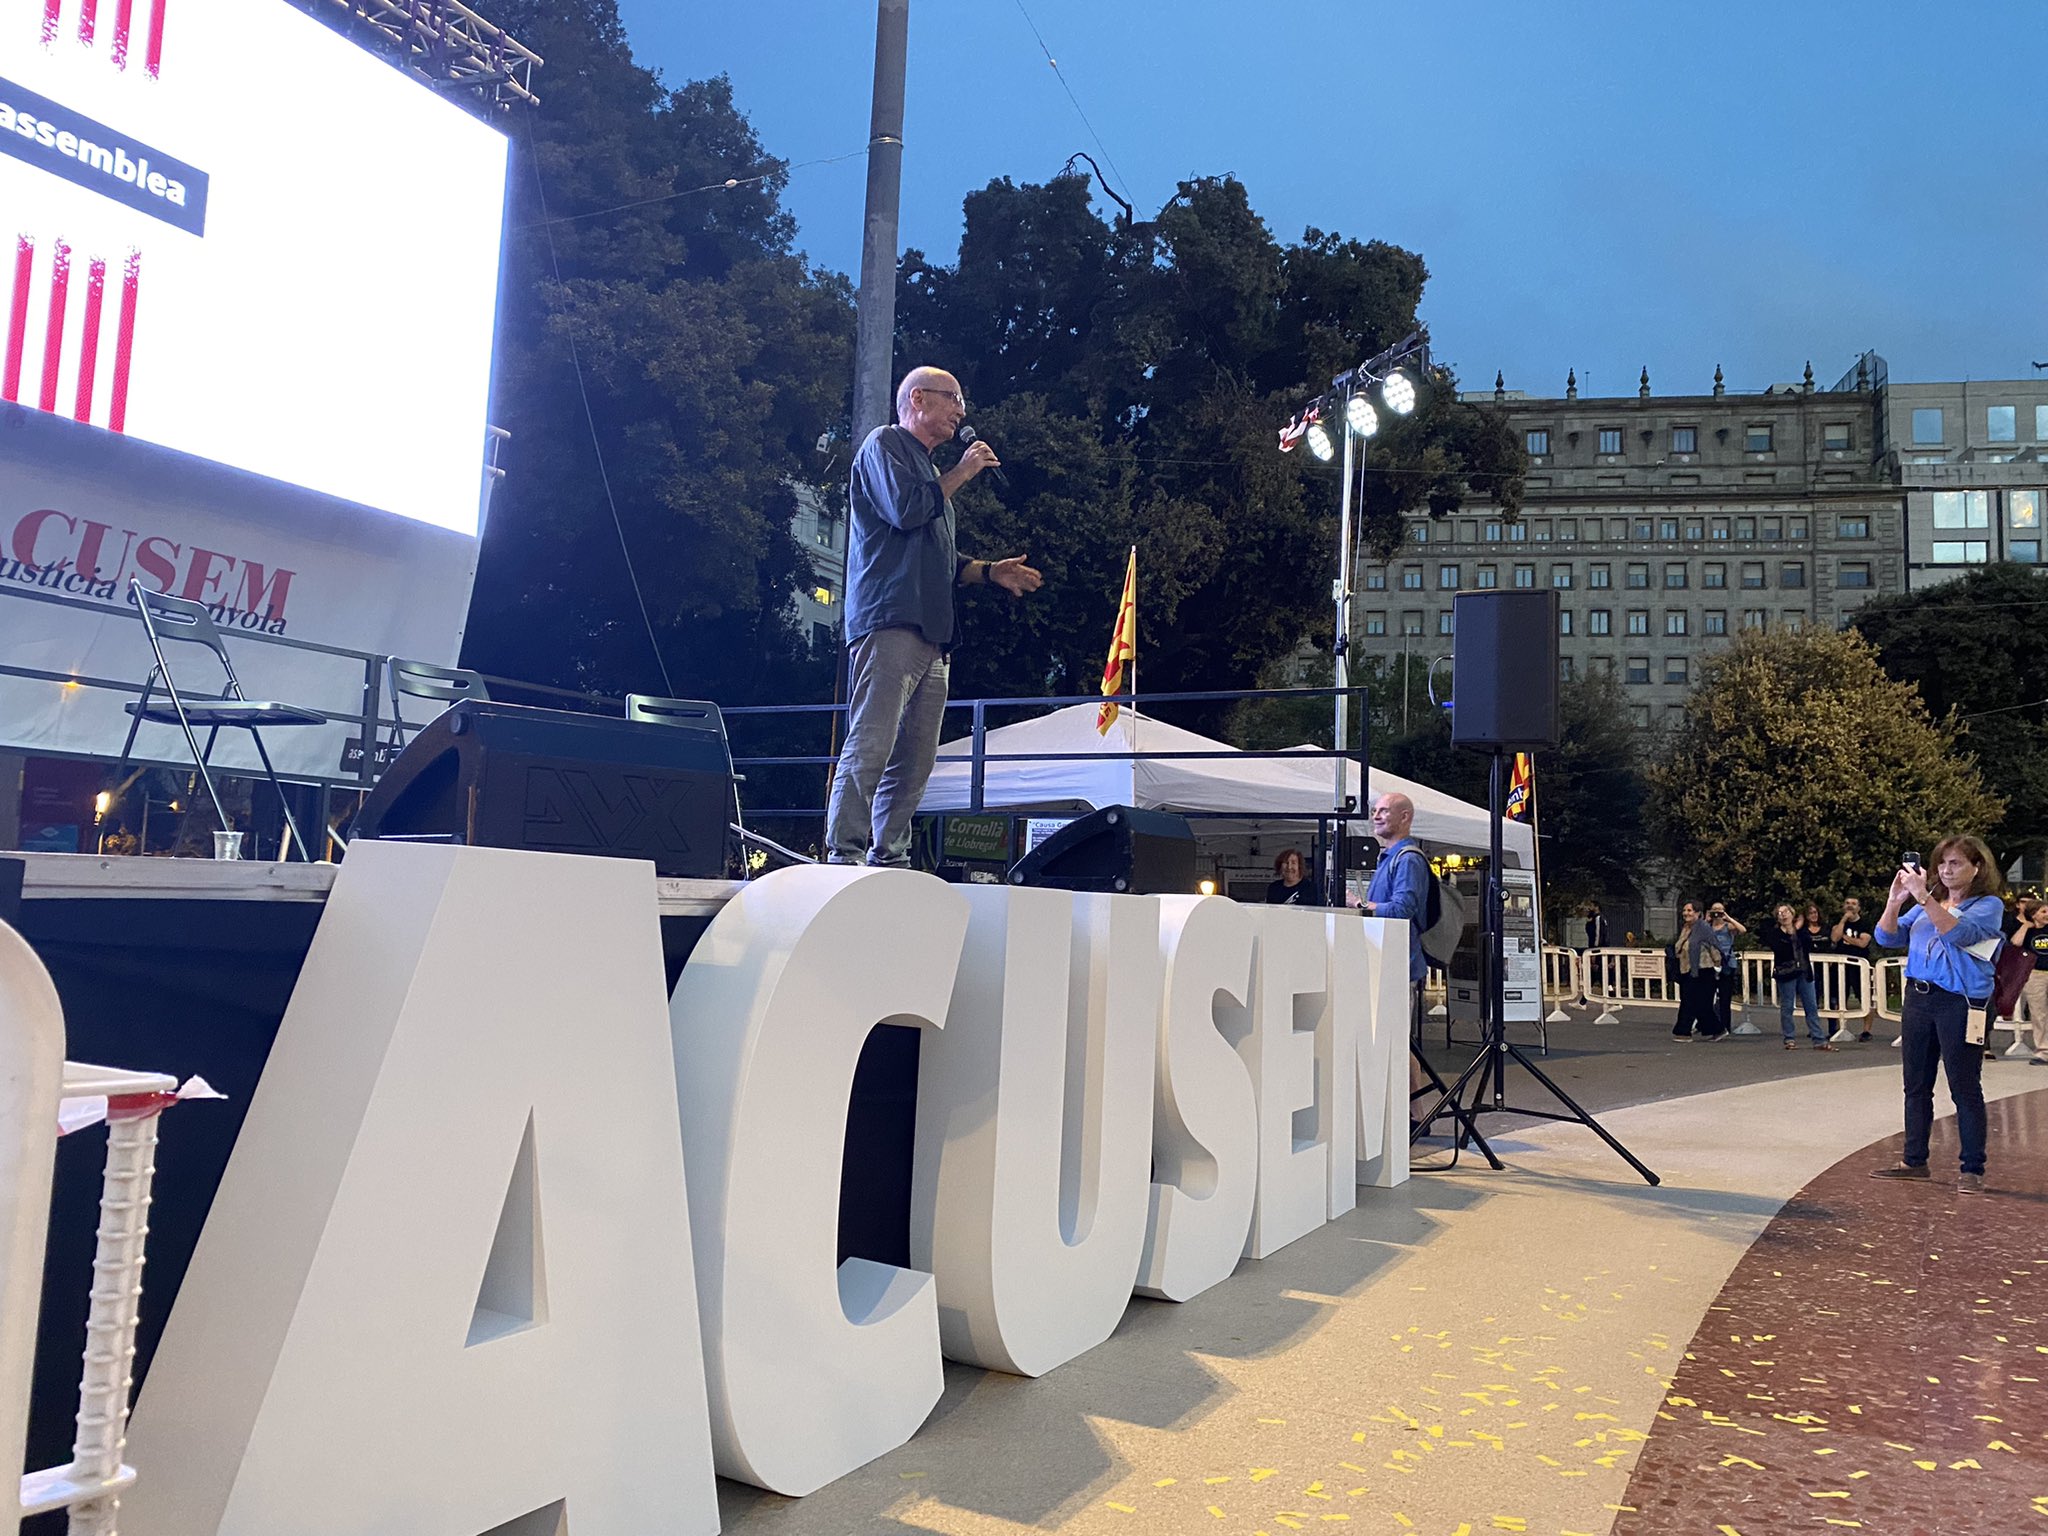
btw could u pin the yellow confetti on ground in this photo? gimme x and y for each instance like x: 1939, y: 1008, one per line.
x: 1727, y: 1530
x: 1403, y: 1521
x: 1166, y: 1482
x: 1213, y: 1481
x: 1123, y: 1509
x: 1217, y: 1513
x: 1272, y: 1421
x: 1833, y: 1493
x: 1926, y: 1466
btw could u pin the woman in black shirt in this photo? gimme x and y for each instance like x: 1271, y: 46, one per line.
x: 1293, y: 888
x: 1792, y: 974
x: 2032, y: 936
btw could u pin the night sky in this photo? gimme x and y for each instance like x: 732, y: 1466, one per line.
x: 1598, y: 186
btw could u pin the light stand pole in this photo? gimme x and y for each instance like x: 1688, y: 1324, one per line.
x: 1341, y: 800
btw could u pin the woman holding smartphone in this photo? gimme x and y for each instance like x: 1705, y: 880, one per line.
x: 1792, y: 974
x: 1950, y: 934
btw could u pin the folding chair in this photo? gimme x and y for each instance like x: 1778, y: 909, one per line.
x: 175, y: 618
x: 424, y: 680
x: 695, y: 715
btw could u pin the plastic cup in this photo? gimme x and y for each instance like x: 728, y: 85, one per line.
x: 227, y: 845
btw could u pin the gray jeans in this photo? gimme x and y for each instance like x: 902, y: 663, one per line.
x: 892, y: 735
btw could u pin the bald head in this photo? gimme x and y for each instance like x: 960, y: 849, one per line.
x: 1392, y: 816
x: 931, y: 405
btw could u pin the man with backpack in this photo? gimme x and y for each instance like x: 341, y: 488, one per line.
x: 1402, y: 879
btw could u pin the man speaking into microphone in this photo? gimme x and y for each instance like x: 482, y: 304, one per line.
x: 902, y: 564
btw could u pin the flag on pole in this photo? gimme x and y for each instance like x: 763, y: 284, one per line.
x: 1123, y: 647
x: 1521, y: 788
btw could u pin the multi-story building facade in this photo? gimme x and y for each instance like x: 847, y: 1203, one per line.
x: 1972, y: 462
x: 1666, y: 524
x: 820, y: 531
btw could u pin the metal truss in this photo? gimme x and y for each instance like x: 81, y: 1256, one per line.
x: 447, y: 44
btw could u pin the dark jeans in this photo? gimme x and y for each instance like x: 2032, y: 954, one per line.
x: 1724, y: 999
x: 1696, y: 1005
x: 1933, y: 1031
x: 1800, y: 988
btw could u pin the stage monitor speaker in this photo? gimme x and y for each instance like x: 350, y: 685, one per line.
x: 1116, y: 848
x: 506, y: 776
x: 1504, y: 677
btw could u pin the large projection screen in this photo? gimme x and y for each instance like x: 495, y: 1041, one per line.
x: 265, y: 246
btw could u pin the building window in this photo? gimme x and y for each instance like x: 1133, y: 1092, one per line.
x: 1674, y: 576
x: 1714, y: 574
x: 1564, y: 669
x: 1411, y: 622
x: 1561, y: 577
x: 1376, y: 623
x: 1468, y: 531
x: 1525, y: 575
x: 2025, y: 551
x: 1835, y: 437
x: 1518, y: 532
x: 1617, y: 529
x: 1600, y: 622
x: 1714, y: 622
x: 1489, y: 577
x: 1674, y: 621
x: 2001, y: 424
x: 1792, y: 575
x: 2041, y: 423
x: 1376, y: 578
x: 1493, y: 533
x: 1639, y: 621
x: 1969, y: 552
x: 1853, y: 574
x: 1610, y: 439
x: 1774, y: 528
x: 1745, y: 527
x: 1795, y: 527
x: 1852, y: 527
x: 1643, y: 531
x: 1755, y: 618
x: 1962, y: 509
x: 821, y: 594
x: 1927, y: 425
x: 1685, y: 439
x: 1756, y: 437
x: 1568, y: 530
x: 1695, y: 529
x: 1447, y: 578
x: 1638, y: 575
x: 2023, y: 508
x: 1639, y: 716
x: 1794, y: 619
x: 1411, y: 578
x: 1564, y: 621
x: 1638, y: 669
x: 1667, y: 528
x: 1537, y: 441
x: 1718, y: 528
x: 1420, y: 532
x: 1601, y: 575
x: 1675, y: 669
x: 1752, y: 575
x: 1446, y: 623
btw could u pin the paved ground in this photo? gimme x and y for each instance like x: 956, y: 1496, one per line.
x: 1479, y: 1351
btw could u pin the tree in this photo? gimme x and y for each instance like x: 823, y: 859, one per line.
x: 665, y: 351
x: 1134, y: 378
x: 1978, y: 646
x: 1800, y: 772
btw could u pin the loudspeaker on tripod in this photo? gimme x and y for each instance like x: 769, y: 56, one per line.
x: 1504, y: 678
x: 1117, y: 848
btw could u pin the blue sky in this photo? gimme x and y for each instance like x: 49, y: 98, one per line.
x: 1596, y: 186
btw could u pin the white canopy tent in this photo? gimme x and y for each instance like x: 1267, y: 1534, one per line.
x: 1249, y: 789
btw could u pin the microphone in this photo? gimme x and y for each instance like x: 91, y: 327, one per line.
x: 970, y: 437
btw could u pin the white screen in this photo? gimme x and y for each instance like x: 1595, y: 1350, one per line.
x: 331, y: 327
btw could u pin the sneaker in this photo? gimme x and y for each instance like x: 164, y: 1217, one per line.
x: 1716, y: 1039
x: 2038, y: 1061
x: 1791, y: 1045
x: 1969, y: 1183
x: 1864, y: 1037
x: 1902, y: 1171
x: 1824, y: 1045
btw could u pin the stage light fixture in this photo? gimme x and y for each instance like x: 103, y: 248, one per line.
x: 1363, y: 418
x: 1399, y: 393
x: 1319, y: 442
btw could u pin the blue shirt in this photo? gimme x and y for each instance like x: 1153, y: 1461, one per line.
x: 1400, y: 888
x: 901, y: 563
x: 1944, y: 958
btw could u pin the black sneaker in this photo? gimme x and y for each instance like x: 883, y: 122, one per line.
x: 1969, y: 1183
x: 1902, y: 1171
x: 1865, y: 1036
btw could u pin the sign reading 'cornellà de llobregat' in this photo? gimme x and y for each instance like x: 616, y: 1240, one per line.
x: 511, y: 1239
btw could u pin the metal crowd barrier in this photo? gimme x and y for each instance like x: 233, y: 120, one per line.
x: 1633, y: 978
x: 1564, y: 981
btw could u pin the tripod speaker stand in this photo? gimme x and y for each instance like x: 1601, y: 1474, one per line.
x: 1506, y: 698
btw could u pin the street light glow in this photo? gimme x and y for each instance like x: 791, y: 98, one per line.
x: 1399, y: 393
x: 1363, y: 418
x: 1319, y: 442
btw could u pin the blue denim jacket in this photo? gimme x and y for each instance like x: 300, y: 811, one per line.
x: 901, y: 560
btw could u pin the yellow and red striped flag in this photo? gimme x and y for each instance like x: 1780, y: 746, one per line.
x: 1521, y: 788
x: 1123, y: 647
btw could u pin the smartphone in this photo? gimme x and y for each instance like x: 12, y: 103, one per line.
x: 1910, y: 860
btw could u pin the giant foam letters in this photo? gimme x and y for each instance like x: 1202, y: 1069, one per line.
x: 1291, y: 999
x: 1034, y: 1130
x: 443, y: 1283
x: 1372, y: 955
x: 1205, y: 1122
x: 814, y: 1367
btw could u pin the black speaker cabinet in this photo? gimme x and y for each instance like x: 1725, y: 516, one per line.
x: 505, y: 776
x: 1504, y: 681
x: 1115, y: 849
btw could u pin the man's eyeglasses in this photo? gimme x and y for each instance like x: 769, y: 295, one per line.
x: 946, y: 394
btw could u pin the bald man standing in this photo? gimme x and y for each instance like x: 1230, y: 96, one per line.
x: 902, y: 564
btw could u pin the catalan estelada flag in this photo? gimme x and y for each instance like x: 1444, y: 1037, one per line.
x: 1123, y: 647
x: 1521, y: 788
